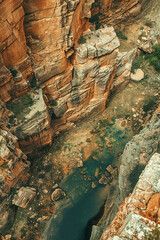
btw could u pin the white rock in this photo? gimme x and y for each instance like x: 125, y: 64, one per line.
x: 117, y: 238
x: 80, y: 163
x: 24, y: 197
x: 138, y: 75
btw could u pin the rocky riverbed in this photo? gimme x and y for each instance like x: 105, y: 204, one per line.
x: 89, y: 148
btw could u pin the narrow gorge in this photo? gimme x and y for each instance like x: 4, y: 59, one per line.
x: 79, y: 119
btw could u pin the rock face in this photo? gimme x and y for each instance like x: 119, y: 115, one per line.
x: 93, y: 72
x: 42, y: 44
x: 140, y: 211
x: 32, y: 119
x: 14, y: 169
x: 137, y: 153
x: 114, y: 12
x: 13, y: 50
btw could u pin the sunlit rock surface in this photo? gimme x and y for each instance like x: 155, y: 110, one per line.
x: 140, y: 211
x: 24, y: 197
x: 33, y: 122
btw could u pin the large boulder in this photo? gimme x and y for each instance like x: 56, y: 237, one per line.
x: 57, y: 194
x: 138, y: 75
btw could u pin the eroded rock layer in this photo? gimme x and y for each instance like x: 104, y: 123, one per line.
x: 42, y: 44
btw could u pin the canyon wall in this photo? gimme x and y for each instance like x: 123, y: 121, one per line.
x: 53, y: 71
x: 42, y: 46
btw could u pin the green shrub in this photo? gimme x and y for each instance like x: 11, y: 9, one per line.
x: 154, y: 58
x: 33, y: 82
x: 138, y: 61
x: 98, y: 25
x: 151, y: 103
x: 153, y: 235
x: 53, y: 102
x: 157, y: 51
x: 12, y: 119
x: 149, y: 23
x: 20, y: 106
x: 94, y: 18
x: 88, y: 140
x: 82, y: 40
x: 13, y: 71
x: 120, y: 35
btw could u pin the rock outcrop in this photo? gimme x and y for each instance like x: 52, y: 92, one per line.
x: 47, y: 44
x: 14, y: 169
x: 140, y: 211
x: 137, y: 154
x: 94, y: 67
x: 31, y: 121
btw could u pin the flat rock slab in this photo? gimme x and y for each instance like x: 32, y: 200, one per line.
x: 24, y: 197
x: 138, y: 75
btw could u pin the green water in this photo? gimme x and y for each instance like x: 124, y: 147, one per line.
x: 70, y: 222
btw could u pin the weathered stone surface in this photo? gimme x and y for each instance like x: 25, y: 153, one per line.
x: 98, y: 43
x: 149, y: 37
x: 51, y: 29
x: 33, y: 123
x: 135, y: 227
x: 124, y: 64
x: 139, y: 210
x: 137, y: 153
x: 14, y: 169
x: 57, y: 194
x: 24, y: 197
x: 84, y: 87
x: 114, y: 13
x: 96, y: 233
x: 13, y: 49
